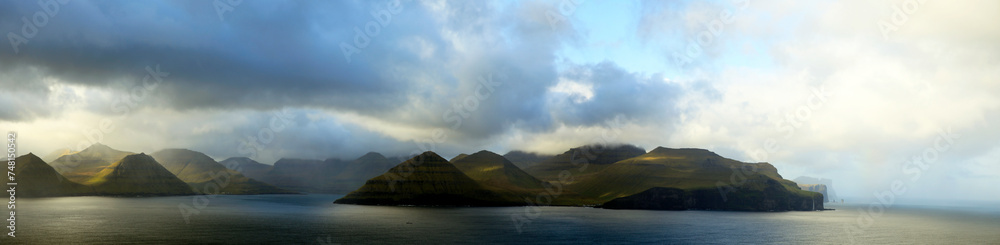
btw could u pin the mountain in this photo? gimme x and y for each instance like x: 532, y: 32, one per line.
x: 830, y: 193
x: 248, y: 167
x: 821, y: 188
x: 35, y: 178
x: 295, y: 174
x: 82, y: 166
x: 460, y: 156
x: 700, y: 173
x: 524, y: 160
x: 427, y: 179
x: 317, y: 176
x: 52, y: 156
x: 209, y: 177
x: 138, y: 175
x: 356, y: 172
x: 582, y: 161
x: 762, y: 195
x: 366, y: 167
x: 494, y: 170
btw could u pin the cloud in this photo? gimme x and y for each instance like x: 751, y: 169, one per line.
x: 841, y: 97
x: 889, y: 97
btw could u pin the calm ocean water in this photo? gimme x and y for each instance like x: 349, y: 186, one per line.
x: 313, y: 219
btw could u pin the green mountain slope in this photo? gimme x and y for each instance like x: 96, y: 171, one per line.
x: 583, y: 161
x: 248, y: 167
x: 204, y: 174
x: 698, y: 172
x: 82, y: 166
x: 494, y: 170
x: 426, y: 179
x: 819, y: 188
x: 666, y: 167
x: 52, y: 156
x: 460, y: 156
x: 524, y: 160
x: 138, y: 175
x: 35, y: 178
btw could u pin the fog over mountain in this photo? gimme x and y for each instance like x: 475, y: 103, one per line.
x: 864, y: 93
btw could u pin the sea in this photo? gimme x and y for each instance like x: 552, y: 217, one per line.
x: 315, y: 219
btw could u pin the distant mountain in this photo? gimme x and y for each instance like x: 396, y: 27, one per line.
x: 198, y: 170
x: 52, y: 156
x: 524, y: 160
x: 320, y: 176
x: 697, y: 172
x: 366, y: 167
x: 358, y: 171
x: 427, y: 179
x: 295, y: 174
x: 82, y: 166
x: 830, y: 194
x: 460, y: 156
x: 494, y: 170
x: 248, y: 167
x: 35, y: 178
x: 138, y: 175
x: 582, y: 161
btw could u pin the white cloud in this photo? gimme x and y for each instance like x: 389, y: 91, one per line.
x: 576, y: 91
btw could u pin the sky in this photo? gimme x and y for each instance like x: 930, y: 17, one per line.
x: 867, y: 93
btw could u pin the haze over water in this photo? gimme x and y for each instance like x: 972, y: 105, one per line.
x: 310, y: 219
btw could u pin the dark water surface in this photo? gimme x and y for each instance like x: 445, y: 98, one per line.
x: 313, y: 219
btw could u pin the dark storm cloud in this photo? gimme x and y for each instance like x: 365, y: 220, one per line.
x: 261, y: 56
x: 266, y: 55
x: 419, y: 71
x: 648, y: 99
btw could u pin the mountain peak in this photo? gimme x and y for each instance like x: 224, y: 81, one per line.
x: 372, y: 155
x: 239, y: 159
x: 664, y: 150
x: 487, y: 154
x: 98, y: 147
x: 138, y: 174
x: 136, y: 157
x: 425, y: 179
x: 428, y: 154
x: 459, y: 157
x: 30, y: 158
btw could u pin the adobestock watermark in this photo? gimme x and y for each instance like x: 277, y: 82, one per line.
x: 224, y: 6
x: 484, y: 89
x: 789, y: 125
x: 380, y: 19
x: 713, y: 30
x: 38, y: 20
x: 12, y: 182
x: 900, y: 15
x: 208, y: 190
x: 581, y: 158
x: 914, y: 168
x: 250, y: 147
x: 122, y: 104
x: 565, y: 9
